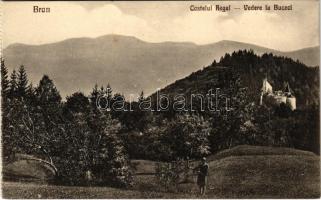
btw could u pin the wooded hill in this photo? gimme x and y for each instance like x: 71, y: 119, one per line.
x: 303, y: 80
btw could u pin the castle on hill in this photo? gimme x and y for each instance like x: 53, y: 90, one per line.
x: 286, y: 96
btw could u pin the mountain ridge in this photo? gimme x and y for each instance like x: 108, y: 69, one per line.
x: 129, y: 64
x: 163, y: 42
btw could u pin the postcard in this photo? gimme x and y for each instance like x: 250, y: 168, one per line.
x: 160, y: 99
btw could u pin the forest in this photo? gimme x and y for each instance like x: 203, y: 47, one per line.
x: 75, y: 136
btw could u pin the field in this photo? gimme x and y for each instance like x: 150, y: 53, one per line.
x: 241, y: 172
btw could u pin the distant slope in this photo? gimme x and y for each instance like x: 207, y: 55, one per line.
x: 127, y: 63
x: 309, y: 56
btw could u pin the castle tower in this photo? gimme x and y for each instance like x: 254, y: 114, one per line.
x: 290, y: 99
x: 267, y: 87
x: 287, y: 89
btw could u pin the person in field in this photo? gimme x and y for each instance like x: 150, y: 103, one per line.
x: 202, y: 176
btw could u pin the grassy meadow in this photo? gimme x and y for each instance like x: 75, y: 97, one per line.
x: 240, y: 172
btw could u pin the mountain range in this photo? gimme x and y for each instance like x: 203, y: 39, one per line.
x: 129, y: 64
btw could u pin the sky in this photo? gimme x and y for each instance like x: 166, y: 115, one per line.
x: 163, y: 21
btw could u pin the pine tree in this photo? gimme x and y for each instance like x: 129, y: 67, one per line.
x: 31, y: 93
x: 102, y: 90
x: 22, y: 82
x: 141, y: 97
x: 46, y: 101
x: 4, y: 80
x: 7, y: 150
x: 47, y: 93
x: 13, y: 85
x: 105, y: 98
x: 109, y: 92
x: 94, y: 96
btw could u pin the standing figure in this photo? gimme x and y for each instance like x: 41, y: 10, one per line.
x: 202, y: 176
x: 88, y: 177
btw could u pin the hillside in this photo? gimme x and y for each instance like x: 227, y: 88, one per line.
x: 270, y: 173
x: 303, y: 80
x: 130, y: 65
x: 309, y: 56
x: 240, y: 172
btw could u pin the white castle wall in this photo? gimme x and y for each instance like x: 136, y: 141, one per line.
x: 291, y: 101
x: 280, y: 99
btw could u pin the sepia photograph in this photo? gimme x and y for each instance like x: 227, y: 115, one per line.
x: 160, y: 99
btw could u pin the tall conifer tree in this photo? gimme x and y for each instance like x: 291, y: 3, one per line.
x: 22, y: 82
x: 4, y: 80
x: 13, y: 84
